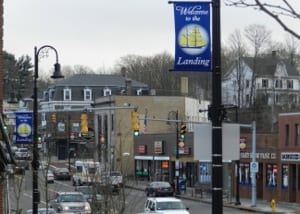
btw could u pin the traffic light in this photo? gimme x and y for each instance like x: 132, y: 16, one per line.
x: 84, y: 124
x: 135, y: 123
x: 53, y: 117
x: 39, y: 140
x: 182, y: 131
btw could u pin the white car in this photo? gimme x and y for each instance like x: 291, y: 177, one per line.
x: 70, y: 202
x: 164, y: 205
x: 50, y: 177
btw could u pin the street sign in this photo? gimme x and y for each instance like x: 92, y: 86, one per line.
x: 254, y: 167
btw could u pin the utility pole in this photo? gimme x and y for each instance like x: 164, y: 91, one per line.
x: 216, y: 113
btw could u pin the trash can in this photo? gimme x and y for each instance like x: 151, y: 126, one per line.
x: 182, y: 185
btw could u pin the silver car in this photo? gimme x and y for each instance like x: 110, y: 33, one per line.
x: 70, y: 202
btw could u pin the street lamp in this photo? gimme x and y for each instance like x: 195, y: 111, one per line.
x: 35, y: 160
x: 177, y: 152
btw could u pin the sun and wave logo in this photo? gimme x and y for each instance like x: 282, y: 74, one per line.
x: 193, y: 39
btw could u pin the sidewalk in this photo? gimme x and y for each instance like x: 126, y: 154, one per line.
x: 246, y: 204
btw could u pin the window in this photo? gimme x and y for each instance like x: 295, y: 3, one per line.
x: 67, y: 94
x: 87, y: 94
x: 106, y: 92
x: 278, y: 83
x: 285, y: 176
x: 297, y: 134
x: 51, y: 94
x: 289, y: 83
x: 287, y: 134
x: 247, y: 98
x: 271, y: 175
x: 265, y: 83
x: 245, y: 175
x: 247, y: 83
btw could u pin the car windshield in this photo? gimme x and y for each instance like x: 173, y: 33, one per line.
x: 161, y: 184
x: 85, y: 190
x: 71, y: 198
x: 170, y: 205
x: 63, y: 170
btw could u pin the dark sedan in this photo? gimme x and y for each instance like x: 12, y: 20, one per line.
x: 62, y: 174
x: 159, y: 188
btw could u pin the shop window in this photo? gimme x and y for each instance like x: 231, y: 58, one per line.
x: 287, y: 134
x: 245, y: 175
x: 205, y: 173
x: 297, y: 134
x: 271, y: 175
x: 285, y: 176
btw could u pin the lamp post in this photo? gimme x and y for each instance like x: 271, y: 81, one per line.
x: 35, y: 159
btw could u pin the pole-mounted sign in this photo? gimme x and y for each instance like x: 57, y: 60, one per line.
x: 23, y: 127
x: 192, y: 36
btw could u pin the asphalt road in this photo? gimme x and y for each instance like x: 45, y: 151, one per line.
x: 132, y: 200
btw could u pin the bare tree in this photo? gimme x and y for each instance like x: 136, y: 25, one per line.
x: 277, y: 11
x: 259, y: 38
x: 238, y: 51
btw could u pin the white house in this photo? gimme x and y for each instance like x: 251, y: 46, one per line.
x: 274, y: 81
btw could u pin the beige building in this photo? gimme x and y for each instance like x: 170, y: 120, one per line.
x: 113, y: 127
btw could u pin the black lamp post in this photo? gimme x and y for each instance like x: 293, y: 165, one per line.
x: 216, y: 111
x: 35, y: 159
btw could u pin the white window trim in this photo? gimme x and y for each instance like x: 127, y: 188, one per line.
x: 106, y: 92
x: 66, y: 91
x: 86, y: 97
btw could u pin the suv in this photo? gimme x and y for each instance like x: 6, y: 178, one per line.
x: 73, y: 202
x: 113, y: 179
x: 22, y: 153
x: 165, y: 205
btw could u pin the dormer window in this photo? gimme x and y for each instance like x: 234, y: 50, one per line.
x: 67, y: 94
x: 51, y: 94
x: 87, y: 94
x: 106, y: 92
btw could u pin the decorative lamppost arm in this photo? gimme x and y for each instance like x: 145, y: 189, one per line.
x: 35, y: 158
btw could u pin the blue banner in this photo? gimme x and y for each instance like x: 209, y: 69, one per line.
x: 192, y: 36
x: 23, y: 127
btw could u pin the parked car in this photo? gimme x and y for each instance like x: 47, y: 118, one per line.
x: 70, y: 202
x: 165, y: 205
x: 159, y: 188
x: 42, y: 211
x: 62, y: 174
x: 50, y: 177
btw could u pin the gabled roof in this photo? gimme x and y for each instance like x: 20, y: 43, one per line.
x: 266, y: 66
x: 91, y: 80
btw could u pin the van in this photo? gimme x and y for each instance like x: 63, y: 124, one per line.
x: 86, y: 172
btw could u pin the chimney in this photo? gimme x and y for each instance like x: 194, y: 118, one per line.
x: 123, y: 71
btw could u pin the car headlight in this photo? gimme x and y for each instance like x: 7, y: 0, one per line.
x: 65, y: 208
x: 87, y: 207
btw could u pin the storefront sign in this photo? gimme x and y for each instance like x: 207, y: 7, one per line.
x: 262, y: 155
x: 158, y: 147
x: 142, y: 149
x: 290, y: 156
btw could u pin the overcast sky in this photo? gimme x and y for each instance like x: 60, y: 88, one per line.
x: 96, y: 33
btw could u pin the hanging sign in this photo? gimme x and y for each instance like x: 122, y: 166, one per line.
x: 192, y: 36
x: 23, y: 127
